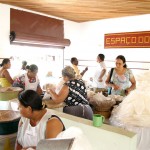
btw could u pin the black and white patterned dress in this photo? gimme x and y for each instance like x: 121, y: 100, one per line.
x: 77, y: 93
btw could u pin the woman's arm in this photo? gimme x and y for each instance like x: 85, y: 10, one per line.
x: 132, y: 87
x: 7, y: 76
x: 53, y: 128
x: 83, y: 72
x: 39, y: 90
x: 19, y: 82
x: 115, y: 87
x: 61, y: 96
x: 18, y: 146
x: 107, y: 81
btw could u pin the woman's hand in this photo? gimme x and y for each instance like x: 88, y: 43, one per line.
x: 127, y: 91
x: 50, y: 87
x: 115, y: 87
x: 59, y: 97
x: 30, y: 148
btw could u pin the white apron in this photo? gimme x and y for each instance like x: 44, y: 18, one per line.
x: 29, y: 136
x: 30, y: 86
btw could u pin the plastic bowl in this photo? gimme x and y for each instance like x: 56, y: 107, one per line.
x: 9, y: 120
x: 9, y: 93
x: 9, y: 127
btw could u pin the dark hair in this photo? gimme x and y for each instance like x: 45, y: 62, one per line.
x: 123, y: 59
x: 30, y: 98
x: 5, y: 61
x: 101, y: 56
x: 27, y: 66
x: 33, y: 68
x: 24, y: 63
x: 73, y: 59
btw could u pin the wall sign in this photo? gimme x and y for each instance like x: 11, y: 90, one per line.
x: 127, y: 40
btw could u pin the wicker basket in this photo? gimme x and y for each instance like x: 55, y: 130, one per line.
x: 106, y: 114
x: 9, y: 93
x: 96, y: 90
x: 105, y: 105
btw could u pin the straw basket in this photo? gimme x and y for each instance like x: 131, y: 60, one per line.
x: 9, y: 93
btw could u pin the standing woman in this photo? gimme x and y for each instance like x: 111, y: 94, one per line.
x: 5, y: 78
x: 122, y: 80
x: 74, y: 94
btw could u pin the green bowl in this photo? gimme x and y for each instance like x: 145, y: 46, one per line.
x: 9, y: 93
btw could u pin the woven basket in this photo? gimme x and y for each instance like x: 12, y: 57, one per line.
x: 9, y: 93
x: 106, y: 114
x: 105, y: 105
x: 96, y: 90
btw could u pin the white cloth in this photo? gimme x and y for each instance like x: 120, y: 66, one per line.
x: 29, y: 136
x: 31, y: 86
x: 98, y: 70
x: 81, y: 142
x: 134, y: 112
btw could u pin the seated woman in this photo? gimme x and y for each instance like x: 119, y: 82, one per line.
x: 122, y: 79
x: 29, y: 80
x: 5, y: 78
x: 36, y: 122
x: 74, y: 94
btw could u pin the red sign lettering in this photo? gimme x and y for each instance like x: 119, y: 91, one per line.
x: 127, y: 40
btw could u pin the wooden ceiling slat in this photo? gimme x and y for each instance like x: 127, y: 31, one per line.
x: 84, y: 10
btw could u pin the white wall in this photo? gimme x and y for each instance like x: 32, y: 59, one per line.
x: 93, y: 32
x: 87, y: 39
x: 72, y: 32
x: 4, y: 30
